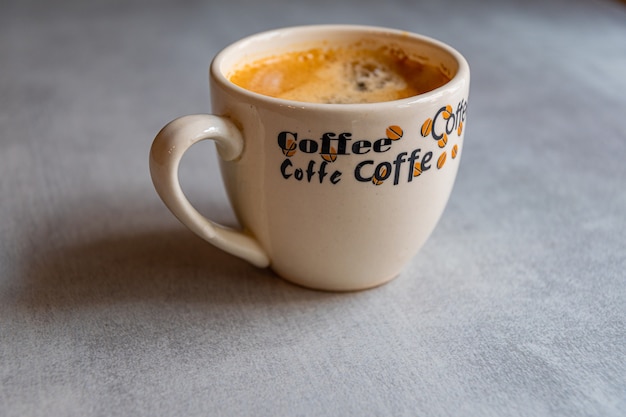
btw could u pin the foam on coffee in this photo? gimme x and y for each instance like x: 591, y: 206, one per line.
x: 347, y: 74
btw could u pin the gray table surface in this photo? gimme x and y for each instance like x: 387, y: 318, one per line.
x: 516, y: 306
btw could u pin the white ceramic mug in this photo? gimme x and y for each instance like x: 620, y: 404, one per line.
x: 344, y: 219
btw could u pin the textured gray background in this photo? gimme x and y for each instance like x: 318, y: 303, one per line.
x: 108, y: 306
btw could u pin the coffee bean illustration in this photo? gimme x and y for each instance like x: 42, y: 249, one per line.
x: 441, y: 160
x: 443, y: 141
x: 331, y: 156
x: 394, y: 132
x: 447, y: 112
x: 381, y: 173
x: 417, y: 169
x: 455, y: 150
x: 290, y: 148
x: 460, y: 128
x: 427, y: 127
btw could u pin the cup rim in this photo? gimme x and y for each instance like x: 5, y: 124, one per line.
x: 217, y: 74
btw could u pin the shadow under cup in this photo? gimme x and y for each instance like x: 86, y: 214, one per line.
x: 336, y: 197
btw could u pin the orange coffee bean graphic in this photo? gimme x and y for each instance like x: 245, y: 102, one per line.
x: 443, y: 141
x: 331, y: 156
x: 441, y: 160
x: 427, y: 127
x: 455, y: 150
x: 460, y: 128
x: 447, y: 112
x: 290, y: 148
x: 394, y: 132
x: 382, y: 172
x: 417, y: 169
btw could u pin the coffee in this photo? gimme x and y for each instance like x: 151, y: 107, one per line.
x: 345, y: 74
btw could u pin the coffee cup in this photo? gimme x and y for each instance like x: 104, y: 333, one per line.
x: 336, y: 185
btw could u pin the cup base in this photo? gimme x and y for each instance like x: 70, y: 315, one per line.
x: 337, y: 287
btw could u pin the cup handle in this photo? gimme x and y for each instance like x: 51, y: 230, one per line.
x: 167, y: 150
